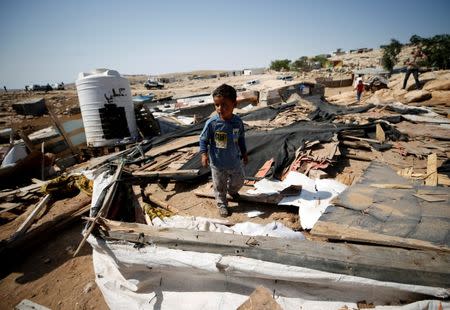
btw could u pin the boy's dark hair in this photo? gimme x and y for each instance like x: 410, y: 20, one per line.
x: 225, y: 91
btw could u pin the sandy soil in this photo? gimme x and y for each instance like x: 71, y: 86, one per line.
x: 51, y: 277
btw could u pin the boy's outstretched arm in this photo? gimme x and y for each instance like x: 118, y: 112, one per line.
x: 204, y: 141
x: 242, y: 145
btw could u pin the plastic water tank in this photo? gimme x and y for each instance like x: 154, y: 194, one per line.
x: 106, y: 108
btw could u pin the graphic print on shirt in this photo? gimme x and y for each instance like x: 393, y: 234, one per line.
x: 220, y: 137
x: 235, y: 135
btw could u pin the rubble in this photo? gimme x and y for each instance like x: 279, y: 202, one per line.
x: 309, y: 182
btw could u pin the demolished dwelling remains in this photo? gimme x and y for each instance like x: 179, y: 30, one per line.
x: 341, y: 203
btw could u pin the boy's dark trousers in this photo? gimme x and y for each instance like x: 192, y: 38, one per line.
x: 415, y: 73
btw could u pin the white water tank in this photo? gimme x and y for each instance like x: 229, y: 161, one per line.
x: 106, y: 108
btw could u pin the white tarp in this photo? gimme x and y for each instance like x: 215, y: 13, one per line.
x: 159, y: 278
x: 153, y: 277
x: 312, y: 200
x: 273, y: 229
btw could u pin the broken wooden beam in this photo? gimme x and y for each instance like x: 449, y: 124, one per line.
x: 432, y: 175
x: 166, y: 173
x: 260, y: 198
x: 430, y: 268
x: 379, y: 133
x: 105, y: 205
x: 30, y: 219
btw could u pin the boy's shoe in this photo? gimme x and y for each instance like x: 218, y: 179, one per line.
x: 223, y: 211
x: 235, y: 196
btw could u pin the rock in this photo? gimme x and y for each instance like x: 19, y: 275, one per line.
x: 437, y: 85
x: 417, y: 96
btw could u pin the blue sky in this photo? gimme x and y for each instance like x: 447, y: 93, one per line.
x: 50, y: 41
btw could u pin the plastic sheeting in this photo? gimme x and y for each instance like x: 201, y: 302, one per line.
x: 273, y: 229
x: 159, y: 278
x: 312, y: 200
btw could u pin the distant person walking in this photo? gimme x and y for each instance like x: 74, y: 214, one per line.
x: 413, y: 67
x: 359, y: 90
x: 4, y: 87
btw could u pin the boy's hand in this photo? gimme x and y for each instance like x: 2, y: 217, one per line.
x: 205, y: 160
x: 245, y: 159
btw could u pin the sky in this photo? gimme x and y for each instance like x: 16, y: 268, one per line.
x: 50, y: 41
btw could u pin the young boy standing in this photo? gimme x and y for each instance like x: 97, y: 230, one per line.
x: 222, y: 146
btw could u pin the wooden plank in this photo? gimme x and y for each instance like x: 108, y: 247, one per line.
x: 160, y: 163
x: 360, y: 139
x: 140, y: 214
x: 379, y: 133
x: 260, y: 299
x: 261, y: 198
x: 357, y: 144
x: 162, y: 204
x: 429, y: 198
x: 6, y: 207
x: 430, y: 268
x: 387, y: 215
x: 391, y: 185
x: 337, y: 231
x: 38, y: 234
x: 30, y: 219
x: 61, y: 129
x: 173, y: 145
x: 27, y: 141
x: 432, y: 179
x: 105, y: 206
x: 166, y: 173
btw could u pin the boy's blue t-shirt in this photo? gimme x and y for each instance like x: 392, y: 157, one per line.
x: 226, y: 142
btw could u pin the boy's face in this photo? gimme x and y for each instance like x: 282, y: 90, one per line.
x: 224, y: 107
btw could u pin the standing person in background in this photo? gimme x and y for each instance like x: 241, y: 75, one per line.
x: 413, y: 67
x: 359, y: 90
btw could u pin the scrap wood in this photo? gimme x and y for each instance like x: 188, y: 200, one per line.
x: 260, y: 198
x: 6, y: 207
x: 162, y: 204
x: 105, y: 205
x: 140, y: 215
x: 379, y: 133
x: 172, y: 145
x: 432, y: 178
x: 382, y: 263
x: 160, y: 163
x: 388, y: 216
x: 27, y: 189
x: 430, y: 198
x: 166, y: 173
x: 391, y: 185
x: 45, y: 228
x: 345, y: 232
x: 360, y: 139
x: 30, y: 219
x: 357, y: 144
x: 260, y: 299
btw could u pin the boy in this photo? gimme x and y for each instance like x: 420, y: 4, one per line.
x: 359, y: 90
x: 222, y: 146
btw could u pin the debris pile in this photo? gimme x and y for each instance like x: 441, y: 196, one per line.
x: 374, y: 175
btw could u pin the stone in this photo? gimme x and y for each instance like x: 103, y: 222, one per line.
x: 417, y: 96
